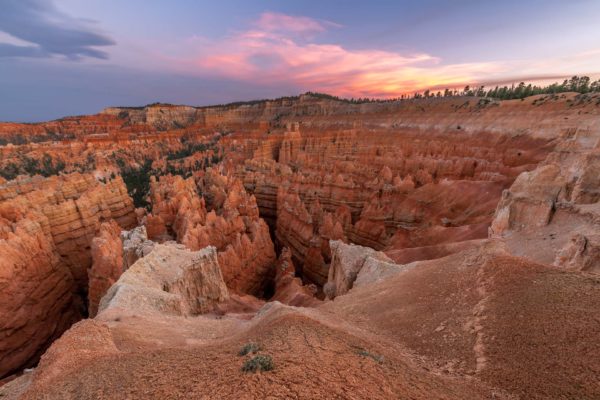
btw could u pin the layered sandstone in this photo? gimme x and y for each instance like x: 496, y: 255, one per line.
x: 107, y: 263
x: 389, y: 207
x: 47, y: 229
x: 389, y: 191
x: 38, y: 297
x: 74, y: 207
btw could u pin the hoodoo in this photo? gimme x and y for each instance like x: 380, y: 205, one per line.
x: 428, y: 261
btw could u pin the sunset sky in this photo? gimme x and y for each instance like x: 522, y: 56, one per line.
x: 67, y: 57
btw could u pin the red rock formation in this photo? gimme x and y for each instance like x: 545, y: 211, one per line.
x: 37, y: 290
x: 412, y: 180
x: 289, y: 288
x: 366, y: 158
x: 107, y: 263
x: 47, y: 226
x: 386, y: 188
x: 245, y: 251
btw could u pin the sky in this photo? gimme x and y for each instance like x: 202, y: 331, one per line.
x: 72, y: 57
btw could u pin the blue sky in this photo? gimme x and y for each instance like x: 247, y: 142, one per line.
x: 68, y: 57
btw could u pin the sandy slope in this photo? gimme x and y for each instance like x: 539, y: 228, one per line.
x: 476, y: 324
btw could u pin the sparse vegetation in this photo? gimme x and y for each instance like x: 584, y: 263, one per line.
x: 137, y: 181
x: 249, y: 348
x: 258, y: 363
x: 364, y: 353
x: 578, y: 84
x: 187, y: 150
x: 32, y: 166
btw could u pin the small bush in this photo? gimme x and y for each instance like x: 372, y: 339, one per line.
x: 249, y: 348
x: 376, y: 357
x: 258, y: 363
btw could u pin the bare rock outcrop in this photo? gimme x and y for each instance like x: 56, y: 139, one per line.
x: 135, y: 245
x: 531, y: 200
x: 170, y: 280
x: 348, y: 261
x: 552, y: 214
x: 581, y: 253
x: 113, y: 252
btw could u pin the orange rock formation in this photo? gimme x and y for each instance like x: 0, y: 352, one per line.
x: 433, y: 248
x: 230, y: 222
x: 47, y: 226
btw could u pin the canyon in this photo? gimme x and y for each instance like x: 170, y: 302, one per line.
x: 425, y: 248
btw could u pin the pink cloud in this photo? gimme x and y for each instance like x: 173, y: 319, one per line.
x: 274, y: 51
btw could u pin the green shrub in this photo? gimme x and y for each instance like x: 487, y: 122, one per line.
x: 258, y: 363
x: 249, y: 348
x: 365, y: 353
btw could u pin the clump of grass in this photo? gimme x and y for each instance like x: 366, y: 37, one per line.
x: 364, y: 353
x: 258, y: 363
x: 249, y: 348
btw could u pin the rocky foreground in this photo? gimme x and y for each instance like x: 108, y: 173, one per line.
x: 436, y: 248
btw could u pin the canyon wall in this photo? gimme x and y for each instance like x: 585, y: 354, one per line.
x: 47, y: 226
x: 391, y: 190
x: 414, y: 180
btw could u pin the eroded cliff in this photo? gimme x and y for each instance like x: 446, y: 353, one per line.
x: 430, y: 246
x: 47, y: 226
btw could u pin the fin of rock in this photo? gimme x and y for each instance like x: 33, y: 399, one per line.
x: 170, y: 280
